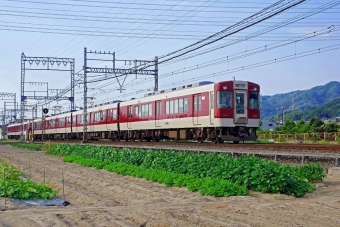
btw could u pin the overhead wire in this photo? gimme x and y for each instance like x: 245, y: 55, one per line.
x: 246, y: 67
x: 249, y: 52
x: 206, y: 1
x: 100, y: 6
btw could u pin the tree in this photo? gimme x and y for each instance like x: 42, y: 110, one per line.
x: 301, y: 127
x: 316, y: 124
x: 288, y: 127
x: 331, y: 127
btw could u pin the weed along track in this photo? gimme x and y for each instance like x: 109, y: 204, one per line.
x: 102, y: 198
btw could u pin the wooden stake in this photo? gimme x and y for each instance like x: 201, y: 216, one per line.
x: 44, y: 174
x: 29, y: 166
x: 3, y: 169
x: 62, y: 173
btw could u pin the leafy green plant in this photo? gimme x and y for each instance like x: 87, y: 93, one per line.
x: 316, y: 137
x: 254, y: 173
x: 46, y: 146
x: 12, y: 186
x: 207, y: 186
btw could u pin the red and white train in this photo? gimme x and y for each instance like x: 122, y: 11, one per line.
x: 224, y: 111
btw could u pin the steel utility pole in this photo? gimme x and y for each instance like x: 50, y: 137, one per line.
x: 85, y: 99
x: 50, y: 64
x: 115, y: 72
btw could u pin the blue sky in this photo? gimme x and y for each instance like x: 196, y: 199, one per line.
x: 139, y: 29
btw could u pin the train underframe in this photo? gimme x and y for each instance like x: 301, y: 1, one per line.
x: 216, y: 135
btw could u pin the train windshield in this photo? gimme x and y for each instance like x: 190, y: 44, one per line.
x: 224, y: 99
x: 253, y: 100
x: 239, y: 103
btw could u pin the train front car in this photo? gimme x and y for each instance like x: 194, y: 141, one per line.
x: 237, y: 113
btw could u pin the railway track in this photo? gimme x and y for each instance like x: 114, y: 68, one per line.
x: 333, y: 148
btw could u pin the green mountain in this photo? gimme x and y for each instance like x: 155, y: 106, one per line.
x: 329, y: 110
x: 303, y: 100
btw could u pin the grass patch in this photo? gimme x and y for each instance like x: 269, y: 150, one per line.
x: 9, y: 141
x: 32, y: 147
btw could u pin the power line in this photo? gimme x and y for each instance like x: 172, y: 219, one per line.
x: 246, y: 67
x: 123, y: 7
x: 249, y: 52
x: 118, y: 13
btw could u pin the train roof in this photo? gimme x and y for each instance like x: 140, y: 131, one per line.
x: 179, y: 88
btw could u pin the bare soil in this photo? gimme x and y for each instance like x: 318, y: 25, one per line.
x: 101, y: 198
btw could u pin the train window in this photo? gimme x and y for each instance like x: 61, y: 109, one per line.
x: 158, y: 108
x: 185, y: 105
x: 211, y: 100
x: 114, y: 114
x: 129, y: 114
x: 52, y: 123
x: 195, y: 103
x: 61, y: 122
x: 143, y: 111
x: 180, y: 106
x: 239, y: 103
x: 176, y: 106
x: 137, y: 111
x: 199, y: 103
x: 150, y: 109
x: 253, y: 100
x: 224, y: 99
x: 108, y: 115
x: 81, y: 119
x: 171, y: 107
x: 167, y: 107
x: 99, y: 116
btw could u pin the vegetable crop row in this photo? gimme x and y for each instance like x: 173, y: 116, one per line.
x: 207, y: 186
x: 254, y: 173
x: 12, y: 186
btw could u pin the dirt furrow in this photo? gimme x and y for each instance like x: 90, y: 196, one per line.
x: 102, y: 198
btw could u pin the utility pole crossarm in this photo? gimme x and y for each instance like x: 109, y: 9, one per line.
x: 120, y: 71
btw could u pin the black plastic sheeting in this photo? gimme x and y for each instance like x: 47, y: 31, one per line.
x: 42, y: 202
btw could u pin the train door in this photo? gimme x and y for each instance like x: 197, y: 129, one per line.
x: 197, y: 108
x: 91, y: 121
x: 108, y: 117
x: 55, y: 125
x: 129, y: 117
x: 211, y: 111
x: 158, y: 113
x: 240, y: 107
x: 118, y: 119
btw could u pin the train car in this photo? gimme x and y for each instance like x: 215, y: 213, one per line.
x: 224, y: 111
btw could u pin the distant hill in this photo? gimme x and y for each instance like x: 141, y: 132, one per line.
x: 329, y: 110
x: 303, y: 100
